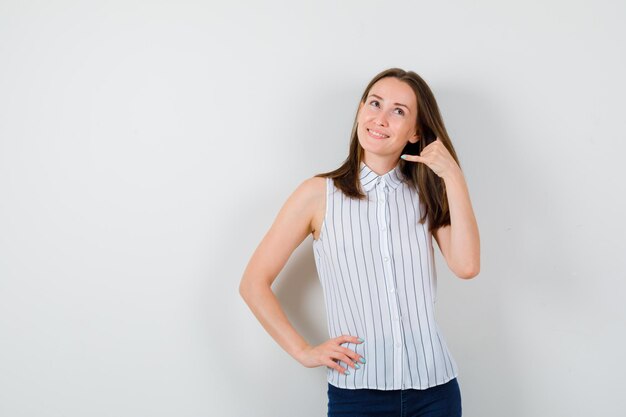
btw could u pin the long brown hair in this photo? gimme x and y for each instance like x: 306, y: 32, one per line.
x: 429, y: 126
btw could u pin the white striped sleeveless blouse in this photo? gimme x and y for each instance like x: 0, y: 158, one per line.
x: 376, y: 266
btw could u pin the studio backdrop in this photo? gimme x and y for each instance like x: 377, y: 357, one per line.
x: 146, y: 148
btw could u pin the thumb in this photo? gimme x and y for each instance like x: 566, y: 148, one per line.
x: 412, y: 158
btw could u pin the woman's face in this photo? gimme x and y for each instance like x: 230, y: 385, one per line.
x: 386, y: 120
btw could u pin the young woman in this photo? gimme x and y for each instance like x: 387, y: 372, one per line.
x: 372, y: 221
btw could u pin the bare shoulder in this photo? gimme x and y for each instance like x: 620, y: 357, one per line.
x: 316, y: 186
x: 310, y: 190
x: 309, y: 199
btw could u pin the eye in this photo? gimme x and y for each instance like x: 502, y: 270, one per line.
x: 373, y: 101
x: 400, y: 110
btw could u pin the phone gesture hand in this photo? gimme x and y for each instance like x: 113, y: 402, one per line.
x: 436, y: 157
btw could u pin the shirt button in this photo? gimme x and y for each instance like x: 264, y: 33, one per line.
x: 383, y: 228
x: 386, y: 259
x: 392, y: 289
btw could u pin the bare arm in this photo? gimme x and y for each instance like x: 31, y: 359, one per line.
x: 459, y: 242
x: 291, y: 226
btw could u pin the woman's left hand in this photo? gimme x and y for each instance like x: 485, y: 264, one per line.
x: 437, y: 157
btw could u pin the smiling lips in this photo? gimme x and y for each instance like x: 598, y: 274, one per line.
x: 376, y: 134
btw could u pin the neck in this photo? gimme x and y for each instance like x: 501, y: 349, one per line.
x: 380, y: 164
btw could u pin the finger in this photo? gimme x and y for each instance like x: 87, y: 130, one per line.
x: 337, y: 367
x: 348, y: 339
x: 413, y: 158
x: 433, y: 147
x: 346, y: 359
x: 339, y: 356
x: 352, y: 354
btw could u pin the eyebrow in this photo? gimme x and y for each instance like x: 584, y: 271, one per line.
x: 395, y: 104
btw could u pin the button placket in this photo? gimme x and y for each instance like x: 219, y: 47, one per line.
x: 381, y: 193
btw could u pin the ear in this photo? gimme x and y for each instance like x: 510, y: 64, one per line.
x: 414, y: 139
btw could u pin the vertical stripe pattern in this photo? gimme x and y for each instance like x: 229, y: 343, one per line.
x: 376, y: 266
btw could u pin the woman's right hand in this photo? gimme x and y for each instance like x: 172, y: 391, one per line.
x: 329, y: 352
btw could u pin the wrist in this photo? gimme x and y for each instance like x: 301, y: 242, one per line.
x: 299, y: 352
x: 455, y: 174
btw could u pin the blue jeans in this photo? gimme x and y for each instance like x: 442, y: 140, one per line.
x: 438, y: 401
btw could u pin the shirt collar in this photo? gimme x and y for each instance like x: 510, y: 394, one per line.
x: 369, y: 178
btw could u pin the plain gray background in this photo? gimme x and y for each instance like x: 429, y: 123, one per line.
x: 146, y: 147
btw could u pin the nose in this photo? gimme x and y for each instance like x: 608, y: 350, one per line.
x: 381, y: 120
